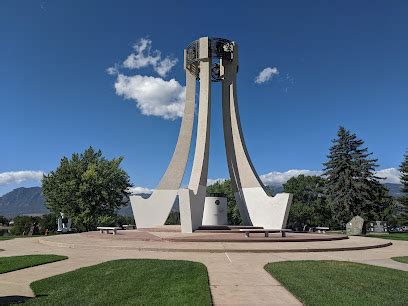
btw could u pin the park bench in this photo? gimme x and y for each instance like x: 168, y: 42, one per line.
x: 129, y: 226
x: 108, y: 229
x: 248, y: 231
x: 322, y: 229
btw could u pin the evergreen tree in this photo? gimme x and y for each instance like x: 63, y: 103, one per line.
x: 404, y: 198
x: 352, y: 187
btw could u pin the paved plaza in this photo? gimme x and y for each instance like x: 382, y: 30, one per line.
x: 236, y: 270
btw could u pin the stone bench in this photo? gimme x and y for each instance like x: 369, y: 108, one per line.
x: 322, y: 229
x: 108, y: 229
x: 248, y: 231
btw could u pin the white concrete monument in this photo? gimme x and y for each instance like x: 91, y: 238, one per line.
x: 211, y: 60
x: 64, y: 225
x: 215, y: 210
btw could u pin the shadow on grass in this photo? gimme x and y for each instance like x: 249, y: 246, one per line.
x: 13, y: 299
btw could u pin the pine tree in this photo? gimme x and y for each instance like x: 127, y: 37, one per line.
x: 352, y: 188
x: 404, y: 198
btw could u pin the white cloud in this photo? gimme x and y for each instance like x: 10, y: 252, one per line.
x: 114, y: 70
x: 143, y: 56
x: 138, y: 190
x: 266, y: 74
x: 279, y: 178
x: 19, y: 176
x: 153, y: 96
x: 165, y: 66
x: 213, y: 181
x: 392, y: 175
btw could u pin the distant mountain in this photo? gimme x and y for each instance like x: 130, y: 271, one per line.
x: 394, y: 189
x: 29, y: 201
x: 22, y: 201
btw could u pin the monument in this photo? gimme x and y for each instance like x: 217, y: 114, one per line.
x: 208, y: 60
x: 215, y: 210
x: 377, y: 227
x: 355, y: 226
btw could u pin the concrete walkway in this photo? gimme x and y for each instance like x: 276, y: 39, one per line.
x: 235, y: 278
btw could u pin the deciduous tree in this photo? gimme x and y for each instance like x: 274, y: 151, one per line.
x: 309, y: 205
x: 87, y: 188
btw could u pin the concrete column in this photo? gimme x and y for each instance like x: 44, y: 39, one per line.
x: 155, y: 210
x: 252, y: 200
x: 192, y: 199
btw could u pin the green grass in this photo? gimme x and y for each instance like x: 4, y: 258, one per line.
x: 127, y: 282
x: 403, y: 259
x: 392, y: 236
x: 12, y: 237
x: 341, y: 283
x: 6, y: 237
x: 13, y: 263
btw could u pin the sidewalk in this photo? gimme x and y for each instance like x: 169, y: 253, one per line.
x: 235, y: 278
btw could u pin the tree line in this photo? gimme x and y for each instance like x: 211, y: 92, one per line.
x: 91, y: 189
x: 348, y: 187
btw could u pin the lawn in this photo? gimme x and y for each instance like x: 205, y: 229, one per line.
x: 6, y: 237
x: 341, y: 283
x: 13, y: 237
x: 392, y: 236
x: 8, y: 264
x: 127, y: 282
x: 403, y: 259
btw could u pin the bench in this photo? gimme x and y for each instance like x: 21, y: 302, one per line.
x: 129, y: 226
x: 322, y: 229
x: 248, y: 231
x: 107, y: 229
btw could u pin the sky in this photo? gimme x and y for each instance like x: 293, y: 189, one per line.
x: 109, y: 74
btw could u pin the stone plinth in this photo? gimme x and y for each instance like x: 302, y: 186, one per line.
x: 215, y: 211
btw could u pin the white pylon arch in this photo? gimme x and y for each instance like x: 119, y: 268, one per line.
x: 255, y: 205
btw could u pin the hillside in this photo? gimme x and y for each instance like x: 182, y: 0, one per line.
x: 22, y: 201
x: 395, y: 189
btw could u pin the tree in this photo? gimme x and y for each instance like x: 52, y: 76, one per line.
x: 22, y: 225
x: 173, y: 218
x: 309, y: 205
x: 3, y: 220
x: 234, y: 218
x: 352, y: 187
x: 87, y: 188
x: 404, y: 198
x: 48, y: 222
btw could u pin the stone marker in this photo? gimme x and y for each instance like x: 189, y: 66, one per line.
x: 355, y: 226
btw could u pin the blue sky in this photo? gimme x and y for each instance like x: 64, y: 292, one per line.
x: 333, y: 63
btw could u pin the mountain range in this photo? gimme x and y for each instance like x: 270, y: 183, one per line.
x: 30, y: 201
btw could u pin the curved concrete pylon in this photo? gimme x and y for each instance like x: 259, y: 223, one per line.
x: 252, y: 200
x: 192, y: 198
x: 154, y: 210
